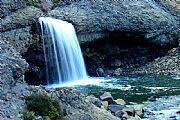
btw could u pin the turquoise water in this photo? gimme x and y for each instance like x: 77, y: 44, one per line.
x: 135, y: 88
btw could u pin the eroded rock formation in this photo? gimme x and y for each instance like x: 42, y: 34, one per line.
x: 156, y: 22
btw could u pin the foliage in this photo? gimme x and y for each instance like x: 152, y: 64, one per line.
x: 29, y: 115
x: 32, y: 2
x: 175, y: 36
x: 55, y: 1
x: 44, y: 105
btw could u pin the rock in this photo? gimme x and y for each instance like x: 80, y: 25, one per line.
x: 139, y: 110
x: 105, y: 104
x: 150, y: 21
x: 21, y: 36
x: 107, y: 97
x: 77, y: 107
x: 22, y: 17
x: 9, y: 6
x: 120, y: 102
x: 94, y: 100
x: 117, y: 72
x: 100, y: 72
x: 125, y: 115
x: 136, y: 117
x: 152, y: 98
x: 129, y: 110
x: 116, y: 63
x: 115, y: 108
x: 178, y: 112
x: 119, y: 114
x: 45, y: 5
x: 177, y: 1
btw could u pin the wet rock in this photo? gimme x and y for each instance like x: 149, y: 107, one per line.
x: 172, y: 118
x: 116, y: 63
x: 100, y: 72
x: 119, y: 114
x: 117, y: 72
x: 136, y: 117
x: 120, y: 102
x: 178, y: 112
x: 129, y: 110
x: 115, y: 108
x: 152, y: 98
x: 139, y: 110
x: 125, y: 116
x: 107, y: 97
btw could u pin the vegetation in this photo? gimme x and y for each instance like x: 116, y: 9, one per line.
x: 55, y: 1
x: 32, y: 2
x: 35, y: 2
x: 44, y: 105
x: 29, y: 115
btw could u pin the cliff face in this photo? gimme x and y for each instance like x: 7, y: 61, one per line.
x: 95, y: 19
x: 155, y: 22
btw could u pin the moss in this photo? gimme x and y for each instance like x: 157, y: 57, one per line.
x: 55, y: 1
x: 29, y: 115
x: 33, y: 2
x: 44, y: 105
x: 175, y: 36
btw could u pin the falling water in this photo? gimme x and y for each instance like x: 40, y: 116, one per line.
x: 63, y: 57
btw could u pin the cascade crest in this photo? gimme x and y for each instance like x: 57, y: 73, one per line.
x: 63, y: 57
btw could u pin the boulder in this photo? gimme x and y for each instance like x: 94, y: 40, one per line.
x: 152, y: 98
x: 139, y: 110
x: 20, y: 18
x: 117, y: 72
x: 120, y: 102
x: 105, y: 104
x: 94, y: 100
x: 9, y: 6
x: 115, y: 108
x: 129, y: 110
x: 119, y: 114
x: 100, y: 72
x: 103, y: 18
x: 107, y: 97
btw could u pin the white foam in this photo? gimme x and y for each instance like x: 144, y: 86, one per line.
x: 83, y: 82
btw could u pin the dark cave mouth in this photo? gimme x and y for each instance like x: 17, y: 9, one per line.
x: 123, y: 52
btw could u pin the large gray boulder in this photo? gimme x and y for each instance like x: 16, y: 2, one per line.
x: 94, y: 20
x: 9, y: 6
x: 21, y: 18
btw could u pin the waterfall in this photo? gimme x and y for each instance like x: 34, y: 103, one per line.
x: 63, y: 57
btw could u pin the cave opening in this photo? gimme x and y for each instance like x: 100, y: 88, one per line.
x: 117, y: 54
x: 120, y: 54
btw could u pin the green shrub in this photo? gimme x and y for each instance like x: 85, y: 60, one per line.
x: 32, y: 2
x: 44, y: 105
x: 29, y: 115
x: 55, y: 1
